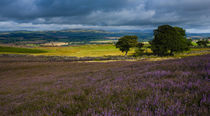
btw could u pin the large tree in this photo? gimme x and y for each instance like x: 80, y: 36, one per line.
x: 168, y: 40
x: 127, y: 42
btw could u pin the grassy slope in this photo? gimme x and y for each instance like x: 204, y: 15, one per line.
x: 174, y: 87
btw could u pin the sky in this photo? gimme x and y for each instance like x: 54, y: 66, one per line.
x: 192, y: 15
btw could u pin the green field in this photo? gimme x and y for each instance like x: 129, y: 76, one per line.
x: 5, y: 49
x: 77, y: 51
x: 91, y: 51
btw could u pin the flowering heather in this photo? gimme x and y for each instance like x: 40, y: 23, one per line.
x: 172, y: 87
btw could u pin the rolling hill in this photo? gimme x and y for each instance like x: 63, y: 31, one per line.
x: 76, y: 36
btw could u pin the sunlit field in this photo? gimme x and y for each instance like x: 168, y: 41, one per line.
x: 77, y: 51
x: 91, y: 51
x: 85, y: 51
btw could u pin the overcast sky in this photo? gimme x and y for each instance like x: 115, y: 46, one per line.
x: 193, y: 15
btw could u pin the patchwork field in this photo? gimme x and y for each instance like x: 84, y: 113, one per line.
x: 179, y: 86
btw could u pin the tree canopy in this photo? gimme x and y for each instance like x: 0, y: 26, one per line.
x: 168, y: 39
x: 127, y: 42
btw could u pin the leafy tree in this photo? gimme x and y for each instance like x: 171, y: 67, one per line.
x: 181, y: 31
x: 202, y: 43
x: 168, y: 40
x: 127, y: 42
x: 139, y: 51
x: 187, y: 42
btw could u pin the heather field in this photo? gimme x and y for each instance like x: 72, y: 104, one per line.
x: 170, y: 87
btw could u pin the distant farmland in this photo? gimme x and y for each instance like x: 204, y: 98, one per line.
x: 75, y: 37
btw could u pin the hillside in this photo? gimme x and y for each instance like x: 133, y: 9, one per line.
x: 75, y: 37
x: 169, y: 87
x: 70, y: 36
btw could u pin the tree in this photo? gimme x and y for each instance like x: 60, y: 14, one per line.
x: 202, y: 43
x: 168, y: 40
x: 139, y: 51
x: 126, y: 42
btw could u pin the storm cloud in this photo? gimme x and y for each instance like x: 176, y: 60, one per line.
x: 46, y: 14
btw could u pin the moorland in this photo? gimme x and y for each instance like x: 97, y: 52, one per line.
x: 177, y: 86
x: 42, y: 75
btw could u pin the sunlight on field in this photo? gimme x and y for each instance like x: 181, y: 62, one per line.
x: 84, y: 51
x: 93, y: 51
x: 77, y: 51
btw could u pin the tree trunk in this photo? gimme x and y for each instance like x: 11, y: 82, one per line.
x: 146, y: 51
x: 171, y: 52
x: 126, y: 53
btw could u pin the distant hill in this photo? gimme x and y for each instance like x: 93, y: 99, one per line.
x: 198, y: 35
x: 78, y: 36
x: 74, y: 36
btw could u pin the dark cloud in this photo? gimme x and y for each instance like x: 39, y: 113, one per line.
x: 24, y: 9
x: 77, y: 7
x: 143, y: 13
